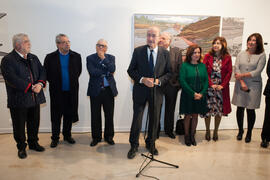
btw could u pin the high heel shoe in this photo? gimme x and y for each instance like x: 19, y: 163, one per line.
x: 207, y: 135
x: 187, y: 140
x: 240, y: 135
x: 215, y: 136
x: 248, y: 137
x: 193, y: 141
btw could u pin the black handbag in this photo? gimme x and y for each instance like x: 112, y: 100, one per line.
x: 180, y: 130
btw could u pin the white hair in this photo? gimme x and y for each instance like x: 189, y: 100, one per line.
x: 18, y: 39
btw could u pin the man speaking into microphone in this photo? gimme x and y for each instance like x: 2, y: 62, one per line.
x: 149, y: 67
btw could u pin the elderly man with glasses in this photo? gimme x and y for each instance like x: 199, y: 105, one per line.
x: 102, y: 90
x: 63, y: 68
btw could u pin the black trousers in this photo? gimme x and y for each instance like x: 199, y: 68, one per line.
x: 138, y: 110
x: 266, y: 123
x: 30, y: 116
x: 105, y: 99
x: 170, y: 93
x: 64, y: 111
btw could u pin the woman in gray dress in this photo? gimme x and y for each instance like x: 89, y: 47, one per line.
x: 248, y: 86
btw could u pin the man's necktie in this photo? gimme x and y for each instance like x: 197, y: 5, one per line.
x: 151, y: 62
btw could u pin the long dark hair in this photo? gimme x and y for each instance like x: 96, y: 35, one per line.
x: 259, y: 42
x: 190, y: 51
x: 223, y: 51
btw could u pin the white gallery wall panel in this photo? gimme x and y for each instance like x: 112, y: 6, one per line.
x: 86, y: 21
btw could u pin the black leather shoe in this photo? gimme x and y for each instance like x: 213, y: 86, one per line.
x: 153, y: 150
x: 95, y: 142
x: 22, y: 154
x: 171, y: 135
x: 70, y: 140
x: 36, y: 147
x: 187, y: 140
x: 248, y: 137
x: 132, y: 152
x: 110, y: 141
x: 54, y: 143
x: 264, y: 144
x: 239, y: 135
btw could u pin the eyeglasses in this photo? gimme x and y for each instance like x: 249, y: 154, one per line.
x: 101, y: 45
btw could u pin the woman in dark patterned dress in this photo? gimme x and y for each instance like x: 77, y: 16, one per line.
x: 219, y: 68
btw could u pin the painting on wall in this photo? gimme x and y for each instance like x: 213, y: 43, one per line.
x: 2, y: 36
x: 232, y: 30
x: 185, y: 30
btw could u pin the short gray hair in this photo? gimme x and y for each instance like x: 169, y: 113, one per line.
x: 18, y: 39
x: 102, y: 40
x: 58, y: 38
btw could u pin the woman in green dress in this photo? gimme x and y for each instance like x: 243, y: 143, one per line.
x: 194, y: 81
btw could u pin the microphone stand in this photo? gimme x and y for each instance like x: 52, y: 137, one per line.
x: 154, y: 134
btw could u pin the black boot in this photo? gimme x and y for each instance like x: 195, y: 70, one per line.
x: 240, y: 135
x: 248, y: 137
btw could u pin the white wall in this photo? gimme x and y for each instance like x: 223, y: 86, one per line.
x: 85, y: 21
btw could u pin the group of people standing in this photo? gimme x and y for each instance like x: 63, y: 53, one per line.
x: 157, y: 70
x: 25, y: 79
x: 205, y: 88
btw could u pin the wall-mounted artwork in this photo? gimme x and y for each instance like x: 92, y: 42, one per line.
x: 185, y: 30
x: 2, y: 36
x: 232, y: 30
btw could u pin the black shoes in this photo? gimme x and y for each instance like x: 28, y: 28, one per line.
x: 264, y: 143
x: 94, y: 142
x: 215, y: 136
x: 187, y: 140
x: 207, y: 135
x: 193, y: 141
x: 54, y: 143
x: 171, y: 135
x: 70, y: 140
x: 110, y: 141
x: 22, y: 154
x: 36, y: 147
x: 248, y: 137
x: 240, y: 135
x: 132, y: 152
x: 152, y: 149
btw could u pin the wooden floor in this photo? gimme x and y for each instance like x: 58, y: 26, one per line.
x: 226, y: 159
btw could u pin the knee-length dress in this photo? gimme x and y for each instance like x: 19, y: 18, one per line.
x: 254, y: 64
x: 193, y: 78
x: 214, y: 97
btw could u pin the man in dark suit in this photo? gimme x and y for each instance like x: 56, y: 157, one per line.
x: 102, y: 90
x: 171, y: 89
x: 24, y: 78
x: 63, y: 68
x: 149, y: 67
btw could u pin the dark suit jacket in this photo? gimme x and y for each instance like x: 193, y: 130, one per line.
x: 15, y: 70
x: 139, y: 67
x: 97, y: 70
x: 267, y: 87
x: 176, y: 62
x: 54, y: 76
